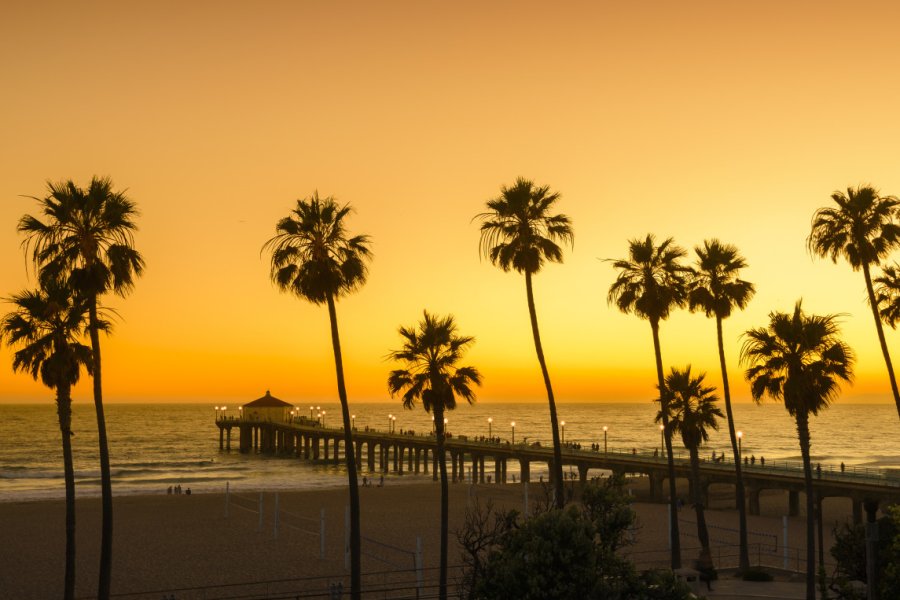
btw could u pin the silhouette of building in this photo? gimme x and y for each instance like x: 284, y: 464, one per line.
x: 267, y: 408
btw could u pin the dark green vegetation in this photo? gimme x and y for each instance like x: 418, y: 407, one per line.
x: 849, y: 552
x: 555, y: 553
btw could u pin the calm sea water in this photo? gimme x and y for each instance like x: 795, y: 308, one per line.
x: 155, y: 446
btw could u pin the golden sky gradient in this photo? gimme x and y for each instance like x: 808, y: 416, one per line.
x: 691, y: 119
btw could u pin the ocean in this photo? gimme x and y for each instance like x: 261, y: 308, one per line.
x: 153, y: 446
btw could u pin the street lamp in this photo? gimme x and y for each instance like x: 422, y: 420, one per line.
x: 605, y: 428
x: 740, y: 436
x: 353, y: 422
x: 310, y: 412
x: 217, y: 413
x: 390, y: 421
x: 563, y: 432
x: 513, y: 425
x: 240, y: 412
x: 432, y: 423
x: 490, y: 428
x: 319, y: 417
x: 662, y: 440
x: 323, y: 418
x: 393, y: 424
x: 223, y: 412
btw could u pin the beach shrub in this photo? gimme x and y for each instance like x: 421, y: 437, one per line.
x: 849, y: 553
x: 568, y: 553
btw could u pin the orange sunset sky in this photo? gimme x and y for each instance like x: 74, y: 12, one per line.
x: 694, y: 120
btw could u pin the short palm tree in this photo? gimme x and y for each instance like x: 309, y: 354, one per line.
x: 315, y: 259
x: 519, y: 232
x: 84, y: 239
x: 651, y: 283
x: 692, y: 412
x: 887, y: 294
x: 717, y: 290
x: 46, y: 326
x: 862, y: 230
x: 800, y: 360
x: 430, y: 354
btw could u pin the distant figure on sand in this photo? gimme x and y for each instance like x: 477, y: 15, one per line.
x: 365, y: 481
x: 169, y: 491
x: 381, y: 481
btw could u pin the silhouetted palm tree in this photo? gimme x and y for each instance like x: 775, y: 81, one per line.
x: 862, y: 230
x: 85, y: 239
x: 46, y: 326
x: 799, y: 359
x: 717, y: 291
x: 692, y: 412
x: 887, y: 294
x: 651, y: 282
x: 519, y: 233
x: 431, y: 352
x: 314, y: 258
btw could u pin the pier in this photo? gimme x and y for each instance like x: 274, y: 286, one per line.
x: 486, y: 461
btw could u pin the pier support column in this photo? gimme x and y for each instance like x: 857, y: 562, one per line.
x: 525, y: 469
x: 228, y: 439
x: 418, y: 459
x: 425, y: 460
x: 410, y: 460
x: 753, y: 496
x: 793, y: 503
x: 398, y: 459
x: 503, y: 469
x: 582, y: 473
x: 453, y: 463
x: 222, y: 438
x: 306, y: 449
x: 435, y: 467
x: 656, y: 481
x: 497, y: 468
x: 857, y: 511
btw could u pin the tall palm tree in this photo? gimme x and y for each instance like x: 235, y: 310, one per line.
x: 717, y: 291
x: 314, y: 258
x: 887, y: 294
x: 430, y: 354
x: 518, y: 232
x: 85, y: 238
x: 692, y: 412
x: 800, y: 360
x: 46, y: 326
x: 862, y: 230
x: 651, y: 283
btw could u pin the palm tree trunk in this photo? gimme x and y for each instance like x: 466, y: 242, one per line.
x: 820, y: 534
x: 702, y: 531
x: 803, y: 436
x: 739, y: 493
x: 106, y: 535
x: 445, y: 497
x: 64, y: 410
x: 675, y: 536
x: 349, y: 457
x: 556, y: 468
x: 880, y: 329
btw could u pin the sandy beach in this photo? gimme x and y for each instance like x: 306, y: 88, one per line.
x: 168, y: 542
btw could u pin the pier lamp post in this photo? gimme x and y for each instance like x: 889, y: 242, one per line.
x: 394, y: 424
x: 490, y: 428
x: 513, y: 425
x: 446, y: 422
x: 605, y: 447
x: 353, y: 422
x: 563, y: 432
x: 740, y: 436
x: 310, y: 412
x: 432, y: 423
x: 222, y: 414
x: 240, y: 412
x: 662, y: 441
x: 323, y: 418
x: 390, y: 421
x: 319, y: 418
x: 217, y: 414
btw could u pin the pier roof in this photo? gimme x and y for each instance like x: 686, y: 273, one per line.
x: 268, y: 400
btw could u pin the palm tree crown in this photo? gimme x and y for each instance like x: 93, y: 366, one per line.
x: 887, y: 294
x: 312, y: 256
x: 692, y: 407
x: 430, y: 352
x: 716, y: 288
x: 519, y: 233
x: 651, y: 281
x: 47, y: 324
x: 798, y: 359
x: 860, y: 228
x: 87, y: 236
